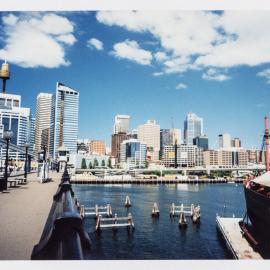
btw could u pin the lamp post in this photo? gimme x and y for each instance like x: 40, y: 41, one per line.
x: 26, y: 162
x: 7, y: 136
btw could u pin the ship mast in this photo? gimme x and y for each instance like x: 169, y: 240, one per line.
x: 266, y: 140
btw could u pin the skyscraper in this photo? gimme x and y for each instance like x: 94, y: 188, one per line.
x: 236, y: 142
x: 117, y: 139
x: 193, y: 127
x: 16, y: 118
x: 64, y: 120
x: 43, y: 119
x: 121, y: 124
x: 224, y: 140
x: 149, y: 133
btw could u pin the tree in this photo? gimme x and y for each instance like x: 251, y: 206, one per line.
x: 109, y: 163
x: 103, y: 163
x: 90, y: 165
x: 95, y: 163
x: 83, y: 165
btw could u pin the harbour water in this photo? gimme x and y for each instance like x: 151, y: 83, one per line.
x: 161, y: 238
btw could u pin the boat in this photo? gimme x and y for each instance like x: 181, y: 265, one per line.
x: 257, y: 195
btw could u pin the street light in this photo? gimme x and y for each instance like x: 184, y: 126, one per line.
x: 26, y: 161
x: 7, y: 136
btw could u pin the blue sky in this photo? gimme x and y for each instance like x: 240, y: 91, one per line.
x: 149, y: 65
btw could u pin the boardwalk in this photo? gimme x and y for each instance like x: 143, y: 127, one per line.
x: 236, y: 243
x: 23, y: 213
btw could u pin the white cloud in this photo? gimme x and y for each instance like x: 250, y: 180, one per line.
x: 203, y: 39
x: 95, y: 43
x: 161, y: 56
x: 265, y: 74
x: 181, y: 86
x: 214, y: 75
x: 37, y: 40
x: 130, y: 49
x: 156, y: 74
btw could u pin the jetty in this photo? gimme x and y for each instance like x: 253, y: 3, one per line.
x: 95, y: 211
x: 115, y: 222
x: 138, y: 181
x: 234, y: 239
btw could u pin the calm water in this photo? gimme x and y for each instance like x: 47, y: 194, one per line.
x: 161, y: 238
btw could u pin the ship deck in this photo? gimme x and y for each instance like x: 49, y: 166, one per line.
x: 237, y: 244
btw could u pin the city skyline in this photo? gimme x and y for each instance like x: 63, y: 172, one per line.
x: 92, y: 54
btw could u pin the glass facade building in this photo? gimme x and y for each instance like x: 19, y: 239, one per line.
x: 64, y: 124
x: 14, y: 117
x: 193, y: 127
x: 133, y: 153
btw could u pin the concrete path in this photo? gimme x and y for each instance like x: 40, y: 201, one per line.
x: 23, y: 213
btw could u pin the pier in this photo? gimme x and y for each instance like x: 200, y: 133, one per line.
x: 114, y: 222
x: 101, y: 181
x: 234, y: 239
x: 95, y: 211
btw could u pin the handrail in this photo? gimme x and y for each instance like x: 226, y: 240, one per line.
x: 63, y: 236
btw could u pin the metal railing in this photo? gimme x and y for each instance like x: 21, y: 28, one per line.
x: 63, y: 237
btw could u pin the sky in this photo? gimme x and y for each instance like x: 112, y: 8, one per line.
x: 147, y: 64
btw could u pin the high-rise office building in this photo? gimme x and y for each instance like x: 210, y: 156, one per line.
x: 43, y: 121
x: 201, y: 142
x: 16, y: 118
x: 121, y: 124
x: 97, y: 147
x: 117, y: 139
x: 64, y: 120
x: 224, y: 141
x: 133, y: 153
x: 32, y: 133
x: 149, y: 133
x: 236, y: 142
x: 193, y: 127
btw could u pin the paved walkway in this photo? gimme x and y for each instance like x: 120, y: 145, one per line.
x: 23, y: 213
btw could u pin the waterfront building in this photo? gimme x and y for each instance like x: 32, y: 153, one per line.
x: 133, y: 154
x: 210, y: 158
x: 43, y: 121
x: 121, y: 124
x: 256, y: 156
x: 236, y: 142
x: 117, y: 139
x: 169, y: 137
x: 95, y: 160
x: 16, y: 118
x: 193, y: 127
x: 97, y: 147
x: 201, y: 142
x: 224, y: 141
x: 226, y: 158
x: 149, y: 133
x: 187, y: 156
x: 64, y: 120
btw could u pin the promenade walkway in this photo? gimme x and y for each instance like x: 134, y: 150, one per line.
x: 23, y: 213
